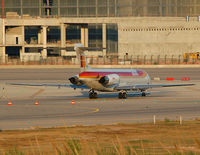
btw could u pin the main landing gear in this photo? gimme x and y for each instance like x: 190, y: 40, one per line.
x: 143, y: 94
x: 122, y: 95
x: 92, y: 94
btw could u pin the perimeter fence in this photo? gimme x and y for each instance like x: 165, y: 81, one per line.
x: 101, y: 60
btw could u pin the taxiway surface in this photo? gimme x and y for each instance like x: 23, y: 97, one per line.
x: 55, y: 108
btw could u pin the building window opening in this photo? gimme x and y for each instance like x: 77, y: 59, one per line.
x: 95, y: 35
x: 17, y: 40
x: 53, y: 52
x: 73, y: 33
x: 48, y: 7
x: 13, y: 52
x: 112, y: 38
x: 31, y: 34
x: 53, y: 35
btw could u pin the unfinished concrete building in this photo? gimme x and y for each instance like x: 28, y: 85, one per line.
x: 44, y: 28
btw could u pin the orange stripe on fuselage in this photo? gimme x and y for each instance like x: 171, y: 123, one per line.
x: 92, y: 77
x: 100, y: 74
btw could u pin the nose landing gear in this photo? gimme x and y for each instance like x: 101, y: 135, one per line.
x: 122, y: 95
x: 143, y: 94
x: 92, y: 94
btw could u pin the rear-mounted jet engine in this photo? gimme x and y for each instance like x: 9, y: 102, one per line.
x: 75, y: 80
x: 109, y: 80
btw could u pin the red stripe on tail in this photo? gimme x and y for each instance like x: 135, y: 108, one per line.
x: 83, y: 61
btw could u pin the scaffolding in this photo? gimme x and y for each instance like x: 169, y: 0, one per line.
x: 100, y: 8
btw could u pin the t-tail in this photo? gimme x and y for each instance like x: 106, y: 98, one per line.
x: 80, y: 52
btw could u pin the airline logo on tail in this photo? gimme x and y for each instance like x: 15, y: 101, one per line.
x: 83, y: 63
x: 79, y: 48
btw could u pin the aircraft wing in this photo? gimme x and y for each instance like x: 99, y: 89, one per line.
x: 147, y: 86
x: 49, y: 85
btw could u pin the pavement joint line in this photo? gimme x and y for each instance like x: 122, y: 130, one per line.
x: 110, y: 99
x: 193, y: 88
x: 37, y: 93
x: 31, y: 87
x: 94, y: 110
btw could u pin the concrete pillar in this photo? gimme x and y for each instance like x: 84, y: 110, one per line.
x: 160, y: 8
x: 145, y: 8
x: 108, y: 10
x: 40, y: 10
x: 96, y: 8
x: 48, y: 10
x: 167, y: 8
x: 77, y: 8
x: 175, y: 8
x: 84, y: 35
x: 58, y: 8
x: 3, y: 54
x: 44, y: 51
x: 63, y: 38
x: 132, y: 8
x: 104, y: 38
x: 195, y: 6
x: 21, y: 7
x: 116, y: 8
x: 23, y: 35
x: 3, y: 32
x: 39, y: 37
x: 22, y: 50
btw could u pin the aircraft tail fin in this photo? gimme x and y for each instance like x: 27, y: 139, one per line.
x: 80, y: 53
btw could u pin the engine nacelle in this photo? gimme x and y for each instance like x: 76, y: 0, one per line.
x: 75, y: 80
x: 109, y: 80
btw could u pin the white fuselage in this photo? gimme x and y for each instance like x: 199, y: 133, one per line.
x: 126, y: 77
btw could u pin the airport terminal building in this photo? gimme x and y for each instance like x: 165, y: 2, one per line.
x: 124, y: 27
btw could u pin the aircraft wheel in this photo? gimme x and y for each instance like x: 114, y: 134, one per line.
x: 120, y: 95
x: 95, y: 95
x: 124, y: 95
x: 92, y: 95
x: 143, y: 94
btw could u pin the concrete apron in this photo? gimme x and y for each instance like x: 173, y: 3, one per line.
x: 98, y: 66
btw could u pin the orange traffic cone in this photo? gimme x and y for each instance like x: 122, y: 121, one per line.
x: 10, y: 103
x: 36, y: 103
x: 73, y: 102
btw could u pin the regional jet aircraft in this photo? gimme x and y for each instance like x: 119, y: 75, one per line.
x: 107, y: 80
